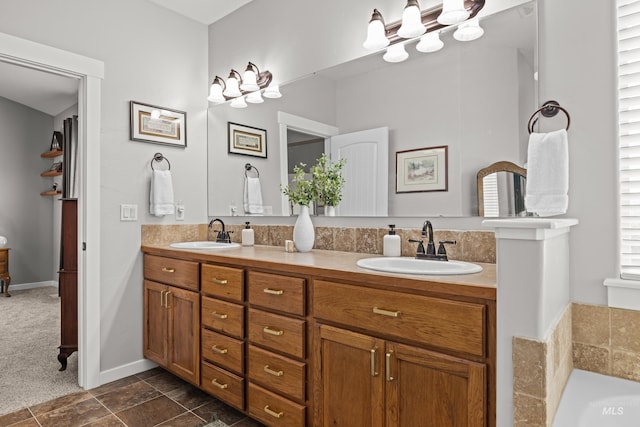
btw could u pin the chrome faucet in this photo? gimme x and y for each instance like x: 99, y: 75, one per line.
x: 430, y: 251
x: 222, y: 236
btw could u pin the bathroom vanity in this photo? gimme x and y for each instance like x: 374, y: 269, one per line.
x: 310, y: 339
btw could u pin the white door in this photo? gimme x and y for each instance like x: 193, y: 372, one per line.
x: 365, y: 172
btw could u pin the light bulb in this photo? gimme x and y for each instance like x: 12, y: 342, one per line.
x: 249, y: 80
x: 376, y: 35
x: 233, y: 85
x: 412, y: 25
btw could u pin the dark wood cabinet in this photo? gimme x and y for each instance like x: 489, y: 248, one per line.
x: 68, y: 281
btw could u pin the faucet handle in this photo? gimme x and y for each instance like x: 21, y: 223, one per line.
x: 420, y: 249
x: 441, y: 249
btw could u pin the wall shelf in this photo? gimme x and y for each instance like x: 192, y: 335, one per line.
x: 51, y: 173
x: 51, y: 154
x: 51, y: 193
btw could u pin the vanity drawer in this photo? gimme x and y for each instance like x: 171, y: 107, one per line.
x: 454, y: 325
x: 282, y: 293
x: 223, y: 385
x: 274, y: 410
x: 277, y: 332
x: 223, y: 316
x: 171, y: 271
x: 224, y: 282
x: 277, y: 373
x: 223, y: 350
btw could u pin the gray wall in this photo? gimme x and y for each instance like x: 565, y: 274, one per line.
x: 153, y: 56
x: 26, y: 218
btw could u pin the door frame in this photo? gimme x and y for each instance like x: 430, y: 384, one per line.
x: 89, y: 73
x: 301, y: 124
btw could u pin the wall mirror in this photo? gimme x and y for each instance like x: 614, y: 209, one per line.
x: 475, y: 98
x: 501, y: 190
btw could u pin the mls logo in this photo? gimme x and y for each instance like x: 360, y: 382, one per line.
x: 612, y: 410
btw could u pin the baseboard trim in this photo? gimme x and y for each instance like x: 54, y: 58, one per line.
x: 126, y: 370
x: 32, y: 285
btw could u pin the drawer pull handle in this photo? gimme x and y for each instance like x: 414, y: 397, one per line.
x: 373, y: 363
x: 219, y: 281
x: 273, y: 413
x: 217, y: 384
x: 390, y: 313
x: 388, y: 363
x: 166, y: 299
x: 168, y: 270
x: 273, y: 291
x: 219, y: 350
x: 276, y: 332
x: 162, y: 295
x: 270, y: 371
x: 219, y: 315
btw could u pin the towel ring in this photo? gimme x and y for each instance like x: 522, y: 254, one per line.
x: 158, y: 157
x: 248, y: 167
x: 548, y: 109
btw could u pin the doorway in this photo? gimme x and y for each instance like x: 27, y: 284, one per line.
x: 89, y: 72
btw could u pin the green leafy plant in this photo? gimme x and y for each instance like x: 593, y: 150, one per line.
x: 304, y: 191
x: 328, y: 180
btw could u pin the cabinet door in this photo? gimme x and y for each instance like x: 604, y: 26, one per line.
x: 155, y: 323
x: 425, y: 389
x: 352, y: 379
x: 183, y: 307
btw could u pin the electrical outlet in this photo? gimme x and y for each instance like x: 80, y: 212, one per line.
x: 128, y: 212
x: 180, y: 212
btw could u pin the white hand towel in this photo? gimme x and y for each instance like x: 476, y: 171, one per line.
x: 252, y: 196
x: 161, y: 193
x: 548, y: 173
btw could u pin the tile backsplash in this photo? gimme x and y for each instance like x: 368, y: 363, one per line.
x: 473, y: 246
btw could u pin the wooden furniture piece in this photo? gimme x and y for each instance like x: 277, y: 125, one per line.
x: 5, y: 277
x: 313, y: 345
x: 68, y: 281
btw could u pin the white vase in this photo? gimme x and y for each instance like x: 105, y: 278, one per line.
x: 329, y: 211
x: 3, y: 241
x: 303, y: 232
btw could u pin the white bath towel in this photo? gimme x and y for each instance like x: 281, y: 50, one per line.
x: 252, y: 196
x: 161, y: 193
x: 548, y: 173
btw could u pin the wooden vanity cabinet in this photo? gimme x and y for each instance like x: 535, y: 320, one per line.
x: 172, y: 316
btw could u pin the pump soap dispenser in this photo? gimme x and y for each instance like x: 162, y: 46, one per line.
x: 391, y: 242
x: 247, y: 235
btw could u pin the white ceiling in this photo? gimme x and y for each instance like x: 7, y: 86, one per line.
x: 52, y: 94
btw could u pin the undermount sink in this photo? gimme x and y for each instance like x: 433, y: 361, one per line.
x: 406, y: 265
x: 203, y: 245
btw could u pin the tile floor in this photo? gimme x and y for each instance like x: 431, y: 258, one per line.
x: 151, y: 398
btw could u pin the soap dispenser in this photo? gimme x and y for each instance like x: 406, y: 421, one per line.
x: 391, y: 243
x: 247, y: 235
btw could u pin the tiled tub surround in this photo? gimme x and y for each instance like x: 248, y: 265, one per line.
x: 472, y: 246
x: 540, y: 372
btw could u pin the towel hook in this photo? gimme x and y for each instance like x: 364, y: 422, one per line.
x: 548, y: 109
x: 158, y: 157
x: 248, y: 167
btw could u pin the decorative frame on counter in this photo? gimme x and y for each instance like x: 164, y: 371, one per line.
x: 169, y: 128
x: 422, y: 169
x: 247, y: 140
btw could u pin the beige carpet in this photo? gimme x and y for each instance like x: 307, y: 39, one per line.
x: 29, y: 340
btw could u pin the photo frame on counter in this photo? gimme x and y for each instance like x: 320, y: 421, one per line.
x: 158, y: 125
x: 422, y: 169
x: 247, y: 140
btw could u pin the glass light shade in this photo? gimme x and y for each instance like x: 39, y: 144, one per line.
x: 238, y: 102
x: 215, y: 94
x: 255, y: 98
x: 395, y: 53
x: 430, y: 43
x: 272, y: 91
x: 376, y: 35
x: 249, y: 82
x: 453, y: 12
x: 233, y: 85
x: 468, y: 31
x: 412, y: 25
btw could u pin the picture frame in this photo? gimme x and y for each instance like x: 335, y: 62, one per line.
x: 247, y: 140
x: 422, y: 169
x: 158, y: 125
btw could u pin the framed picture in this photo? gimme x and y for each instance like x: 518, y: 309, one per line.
x: 423, y: 169
x: 159, y: 125
x: 247, y: 140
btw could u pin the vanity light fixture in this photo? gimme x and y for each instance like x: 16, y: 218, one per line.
x: 415, y: 23
x: 241, y: 90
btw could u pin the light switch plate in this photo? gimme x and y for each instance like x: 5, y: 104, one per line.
x: 179, y: 212
x: 128, y: 212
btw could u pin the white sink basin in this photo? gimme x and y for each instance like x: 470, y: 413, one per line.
x: 203, y: 245
x: 406, y: 265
